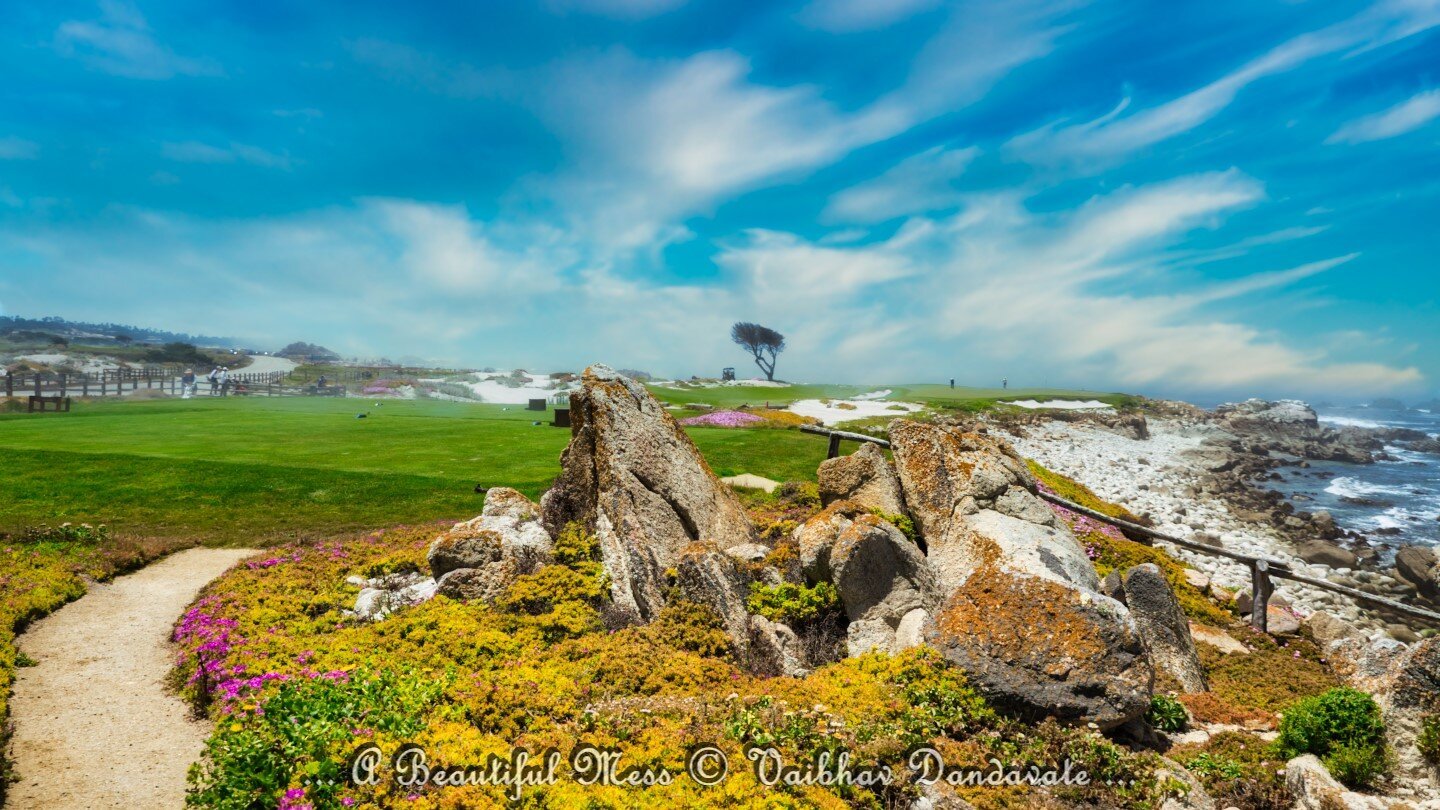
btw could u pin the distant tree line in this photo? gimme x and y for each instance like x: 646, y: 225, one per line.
x: 28, y: 328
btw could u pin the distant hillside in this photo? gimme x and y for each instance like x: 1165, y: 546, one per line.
x: 81, y: 330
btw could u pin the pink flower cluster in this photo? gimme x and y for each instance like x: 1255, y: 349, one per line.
x: 294, y: 799
x: 723, y: 419
x: 271, y: 562
x: 210, y: 637
x: 1081, y: 525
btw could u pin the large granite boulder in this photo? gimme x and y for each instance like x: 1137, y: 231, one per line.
x: 632, y: 477
x: 1408, y: 694
x: 864, y: 477
x: 1163, y: 626
x: 1022, y: 612
x: 1285, y: 417
x: 1418, y: 566
x: 886, y: 586
x: 479, y: 558
x: 882, y: 578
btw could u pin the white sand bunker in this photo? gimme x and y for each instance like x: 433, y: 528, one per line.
x: 1062, y: 404
x: 835, y: 411
x: 514, y: 387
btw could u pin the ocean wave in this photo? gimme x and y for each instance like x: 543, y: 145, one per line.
x: 1347, y: 487
x: 1347, y: 421
x: 1399, y: 517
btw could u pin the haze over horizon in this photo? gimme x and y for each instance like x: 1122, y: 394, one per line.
x: 1208, y: 202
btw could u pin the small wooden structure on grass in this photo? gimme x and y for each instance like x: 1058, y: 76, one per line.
x: 43, y: 404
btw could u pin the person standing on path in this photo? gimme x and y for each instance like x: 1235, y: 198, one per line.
x: 1005, y: 384
x: 214, y: 378
x: 224, y: 381
x: 187, y: 384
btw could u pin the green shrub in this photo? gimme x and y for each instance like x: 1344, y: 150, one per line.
x: 1167, y: 714
x: 901, y: 522
x: 1208, y: 766
x: 1344, y: 728
x: 788, y: 602
x: 1428, y: 740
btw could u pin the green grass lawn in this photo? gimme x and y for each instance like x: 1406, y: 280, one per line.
x: 935, y: 396
x: 246, y: 471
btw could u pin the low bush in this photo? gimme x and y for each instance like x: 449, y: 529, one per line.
x: 1167, y: 714
x: 789, y: 602
x: 1428, y: 740
x: 1343, y: 727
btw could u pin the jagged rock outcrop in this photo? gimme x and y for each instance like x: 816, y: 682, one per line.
x: 632, y: 477
x: 1022, y: 611
x: 1408, y: 694
x: 884, y: 582
x: 1163, y: 626
x: 864, y: 477
x: 478, y: 559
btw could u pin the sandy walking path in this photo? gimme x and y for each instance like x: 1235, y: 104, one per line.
x: 94, y: 724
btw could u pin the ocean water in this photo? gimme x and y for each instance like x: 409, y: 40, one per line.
x: 1402, y: 494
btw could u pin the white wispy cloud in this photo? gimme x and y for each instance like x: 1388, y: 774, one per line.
x: 1407, y: 116
x: 199, y: 152
x: 1099, y: 143
x: 920, y: 183
x: 121, y: 43
x: 13, y: 148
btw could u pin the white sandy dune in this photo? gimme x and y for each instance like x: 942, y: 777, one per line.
x: 831, y: 413
x: 1062, y: 404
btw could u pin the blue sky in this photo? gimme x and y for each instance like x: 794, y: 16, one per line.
x: 1190, y: 199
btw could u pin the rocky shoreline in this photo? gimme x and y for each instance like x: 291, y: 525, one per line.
x: 1205, y: 475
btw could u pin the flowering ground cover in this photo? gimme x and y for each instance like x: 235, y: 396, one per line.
x: 721, y: 419
x: 42, y: 569
x: 295, y: 686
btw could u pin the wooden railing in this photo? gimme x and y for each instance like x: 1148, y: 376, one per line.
x: 115, y: 382
x: 1262, y: 569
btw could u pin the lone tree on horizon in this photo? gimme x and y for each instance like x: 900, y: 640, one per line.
x: 762, y: 342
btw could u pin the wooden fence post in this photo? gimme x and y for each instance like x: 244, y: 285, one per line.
x: 63, y: 379
x: 834, y: 450
x: 1260, y: 590
x: 9, y: 385
x: 37, y: 383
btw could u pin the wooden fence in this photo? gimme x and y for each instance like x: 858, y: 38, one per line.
x: 1263, y: 570
x: 117, y: 382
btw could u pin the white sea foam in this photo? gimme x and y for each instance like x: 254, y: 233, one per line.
x: 1347, y: 487
x: 1347, y: 421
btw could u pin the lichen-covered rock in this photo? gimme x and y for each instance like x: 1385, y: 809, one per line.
x: 881, y: 577
x: 1313, y: 788
x: 816, y: 538
x: 1163, y: 627
x: 484, y: 584
x: 775, y: 649
x: 381, y: 596
x: 1021, y: 613
x: 864, y: 477
x: 1041, y: 648
x: 632, y: 477
x: 1408, y: 694
x: 507, y: 527
x: 708, y: 576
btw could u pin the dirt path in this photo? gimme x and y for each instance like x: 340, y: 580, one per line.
x: 94, y: 724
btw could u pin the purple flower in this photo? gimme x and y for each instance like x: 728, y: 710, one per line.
x: 723, y: 419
